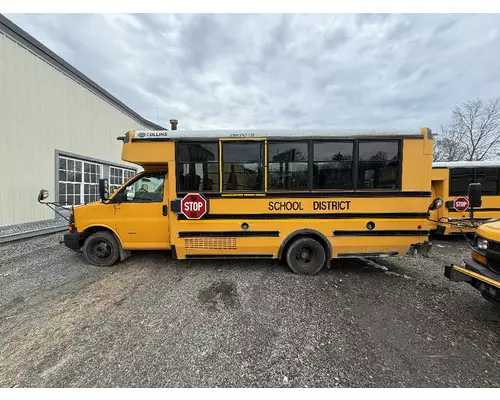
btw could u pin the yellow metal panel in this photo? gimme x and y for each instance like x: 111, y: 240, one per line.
x: 428, y: 143
x: 326, y: 227
x: 416, y: 166
x: 330, y: 205
x: 145, y: 154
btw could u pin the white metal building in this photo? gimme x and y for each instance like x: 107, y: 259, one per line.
x: 58, y: 130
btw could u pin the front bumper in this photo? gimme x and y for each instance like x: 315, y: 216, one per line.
x: 72, y: 240
x: 476, y: 274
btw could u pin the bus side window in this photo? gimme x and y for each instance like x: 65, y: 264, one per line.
x: 460, y: 178
x: 192, y: 181
x: 333, y: 165
x: 381, y: 160
x: 243, y: 165
x: 288, y: 165
x: 232, y: 180
x: 488, y: 178
x: 198, y: 166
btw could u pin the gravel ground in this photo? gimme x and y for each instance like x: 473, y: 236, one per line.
x: 150, y: 321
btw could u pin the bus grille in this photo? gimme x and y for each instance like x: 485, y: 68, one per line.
x: 211, y: 243
x: 494, y: 246
x: 494, y: 266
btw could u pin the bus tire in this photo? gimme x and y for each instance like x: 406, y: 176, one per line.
x: 101, y: 249
x: 305, y: 256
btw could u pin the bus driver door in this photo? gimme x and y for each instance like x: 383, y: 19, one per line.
x: 141, y: 213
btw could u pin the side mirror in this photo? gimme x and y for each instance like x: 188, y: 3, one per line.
x: 436, y: 204
x: 103, y: 189
x: 43, y: 195
x: 475, y: 195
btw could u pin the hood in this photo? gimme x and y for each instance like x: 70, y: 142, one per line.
x: 490, y: 230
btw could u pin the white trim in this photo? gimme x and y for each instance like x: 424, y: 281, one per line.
x: 465, y: 164
x: 252, y: 133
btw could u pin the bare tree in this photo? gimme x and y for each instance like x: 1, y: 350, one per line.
x: 474, y: 132
x: 449, y: 145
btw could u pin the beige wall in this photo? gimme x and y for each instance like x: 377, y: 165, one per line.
x: 41, y: 110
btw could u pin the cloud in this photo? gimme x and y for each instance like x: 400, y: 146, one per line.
x: 282, y: 71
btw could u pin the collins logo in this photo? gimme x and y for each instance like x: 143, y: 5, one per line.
x: 151, y: 134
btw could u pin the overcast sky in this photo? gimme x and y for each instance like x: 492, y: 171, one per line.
x: 282, y: 71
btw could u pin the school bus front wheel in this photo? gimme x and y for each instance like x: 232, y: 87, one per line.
x: 101, y: 249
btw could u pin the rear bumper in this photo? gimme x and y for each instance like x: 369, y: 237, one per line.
x: 479, y: 276
x: 72, y: 240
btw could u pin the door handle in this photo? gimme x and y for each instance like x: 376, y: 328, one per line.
x: 165, y: 210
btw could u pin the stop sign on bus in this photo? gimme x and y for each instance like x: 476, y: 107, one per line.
x: 194, y: 206
x: 461, y: 203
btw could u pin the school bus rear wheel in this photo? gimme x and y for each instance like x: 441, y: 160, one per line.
x: 101, y: 249
x: 305, y: 256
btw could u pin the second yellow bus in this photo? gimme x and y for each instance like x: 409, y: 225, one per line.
x: 451, y: 180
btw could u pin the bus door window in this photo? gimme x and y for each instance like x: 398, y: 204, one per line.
x: 146, y: 189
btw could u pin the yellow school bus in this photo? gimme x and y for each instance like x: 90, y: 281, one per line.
x: 482, y: 269
x: 303, y: 196
x: 450, y: 181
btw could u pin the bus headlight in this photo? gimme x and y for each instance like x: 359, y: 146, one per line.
x: 482, y: 244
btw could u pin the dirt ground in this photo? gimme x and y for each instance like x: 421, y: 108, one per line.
x: 150, y: 321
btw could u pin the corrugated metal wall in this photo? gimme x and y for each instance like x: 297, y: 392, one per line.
x: 42, y: 109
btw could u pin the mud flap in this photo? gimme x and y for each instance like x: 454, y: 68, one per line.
x: 420, y: 249
x: 124, y: 254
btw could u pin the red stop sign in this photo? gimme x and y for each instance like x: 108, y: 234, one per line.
x: 461, y: 203
x: 194, y: 206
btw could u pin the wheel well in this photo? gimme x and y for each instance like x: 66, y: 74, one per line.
x: 305, y: 233
x: 93, y: 229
